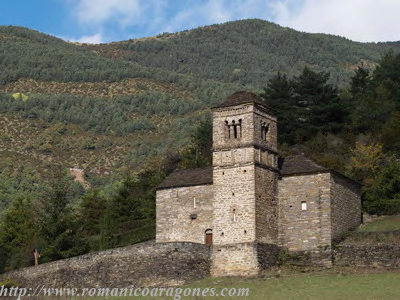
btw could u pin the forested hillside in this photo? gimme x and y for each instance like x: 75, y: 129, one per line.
x: 130, y: 112
x: 54, y: 81
x: 159, y: 84
x: 247, y: 52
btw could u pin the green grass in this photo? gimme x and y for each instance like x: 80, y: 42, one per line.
x: 314, y: 286
x: 332, y: 284
x: 389, y: 223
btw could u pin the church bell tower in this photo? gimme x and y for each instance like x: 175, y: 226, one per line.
x: 245, y: 174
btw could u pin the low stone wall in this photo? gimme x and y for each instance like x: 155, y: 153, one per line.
x: 144, y: 264
x: 268, y: 255
x: 367, y: 218
x: 169, y: 264
x: 317, y: 258
x: 379, y: 255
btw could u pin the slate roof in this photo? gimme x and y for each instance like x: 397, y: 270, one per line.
x: 242, y: 97
x: 299, y: 164
x: 188, y: 177
x: 291, y: 165
x: 288, y: 166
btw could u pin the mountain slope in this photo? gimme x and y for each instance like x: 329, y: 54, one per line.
x: 55, y: 81
x: 149, y: 91
x: 28, y: 54
x: 246, y: 52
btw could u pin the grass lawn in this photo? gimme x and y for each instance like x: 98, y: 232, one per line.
x: 318, y: 285
x: 333, y: 284
x: 388, y: 223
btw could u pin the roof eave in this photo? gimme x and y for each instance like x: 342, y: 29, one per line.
x: 258, y: 105
x: 347, y: 178
x: 321, y: 172
x: 181, y: 186
x: 305, y: 173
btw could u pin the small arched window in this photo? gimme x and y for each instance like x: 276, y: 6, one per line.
x: 235, y: 130
x: 227, y: 130
x: 264, y: 131
x: 208, y: 237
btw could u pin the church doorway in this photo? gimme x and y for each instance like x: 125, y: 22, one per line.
x: 208, y: 237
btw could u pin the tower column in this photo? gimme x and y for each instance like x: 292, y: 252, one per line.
x: 244, y: 182
x: 232, y: 130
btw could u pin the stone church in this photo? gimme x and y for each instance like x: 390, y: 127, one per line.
x: 252, y: 203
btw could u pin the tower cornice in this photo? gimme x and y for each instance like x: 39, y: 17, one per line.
x: 246, y: 145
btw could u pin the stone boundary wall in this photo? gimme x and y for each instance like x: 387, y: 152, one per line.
x: 268, y: 255
x: 367, y: 218
x: 314, y: 258
x: 381, y: 255
x: 143, y: 264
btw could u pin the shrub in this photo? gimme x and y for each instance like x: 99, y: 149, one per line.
x: 383, y: 196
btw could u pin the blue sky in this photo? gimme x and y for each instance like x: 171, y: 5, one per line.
x: 112, y: 20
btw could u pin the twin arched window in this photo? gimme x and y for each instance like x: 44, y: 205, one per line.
x: 233, y: 129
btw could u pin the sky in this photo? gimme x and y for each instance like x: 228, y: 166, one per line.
x: 97, y: 21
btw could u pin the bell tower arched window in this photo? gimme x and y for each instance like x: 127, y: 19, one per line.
x: 235, y: 135
x: 227, y: 130
x: 264, y: 131
x: 233, y: 129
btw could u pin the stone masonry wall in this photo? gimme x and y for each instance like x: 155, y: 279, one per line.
x: 234, y: 205
x: 308, y: 230
x: 234, y: 251
x: 239, y: 259
x: 144, y: 264
x: 378, y: 255
x: 345, y: 206
x: 266, y: 206
x: 243, y: 259
x: 184, y: 214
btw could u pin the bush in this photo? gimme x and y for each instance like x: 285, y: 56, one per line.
x: 383, y: 196
x: 8, y: 283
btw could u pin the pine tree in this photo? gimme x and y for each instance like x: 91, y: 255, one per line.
x: 199, y: 152
x: 18, y: 234
x: 390, y: 133
x: 126, y: 203
x: 319, y: 106
x: 59, y: 226
x: 306, y: 105
x: 360, y: 82
x: 278, y: 95
x: 92, y: 212
x: 387, y: 69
